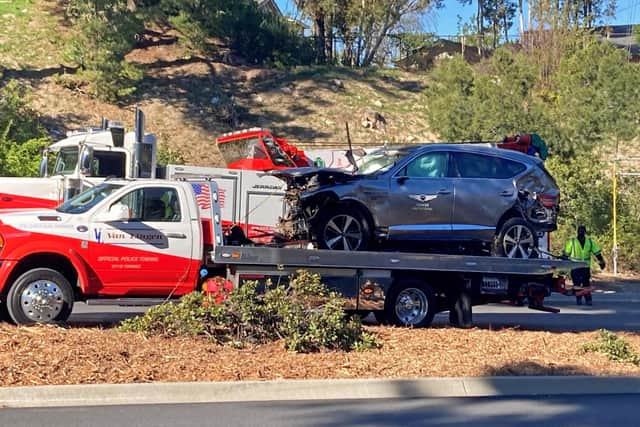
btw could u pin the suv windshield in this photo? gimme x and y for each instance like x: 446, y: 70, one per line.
x: 378, y: 161
x: 88, y: 199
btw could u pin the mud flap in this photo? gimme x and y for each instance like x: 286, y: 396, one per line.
x: 535, y: 296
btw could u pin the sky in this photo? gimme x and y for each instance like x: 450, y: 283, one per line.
x: 444, y: 22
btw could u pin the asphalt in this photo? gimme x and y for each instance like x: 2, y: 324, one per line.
x: 290, y: 390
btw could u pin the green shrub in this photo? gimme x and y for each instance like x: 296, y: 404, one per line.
x: 106, y: 32
x: 192, y: 316
x: 302, y: 313
x: 170, y: 156
x: 22, y: 137
x: 614, y: 347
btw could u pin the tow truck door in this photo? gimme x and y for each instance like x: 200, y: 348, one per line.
x: 151, y: 253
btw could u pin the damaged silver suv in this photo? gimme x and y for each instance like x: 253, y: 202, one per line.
x: 433, y: 194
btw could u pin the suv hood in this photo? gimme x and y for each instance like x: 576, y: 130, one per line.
x: 312, y: 177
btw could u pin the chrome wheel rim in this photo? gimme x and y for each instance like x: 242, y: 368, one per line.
x: 42, y: 300
x: 343, y: 232
x: 518, y: 242
x: 411, y: 306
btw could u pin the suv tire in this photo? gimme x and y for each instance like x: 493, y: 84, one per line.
x: 342, y: 228
x: 516, y: 239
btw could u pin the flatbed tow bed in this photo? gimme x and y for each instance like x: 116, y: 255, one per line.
x: 406, y: 288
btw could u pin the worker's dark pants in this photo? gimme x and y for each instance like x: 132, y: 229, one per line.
x: 581, y: 277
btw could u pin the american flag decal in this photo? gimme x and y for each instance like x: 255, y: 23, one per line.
x: 203, y: 195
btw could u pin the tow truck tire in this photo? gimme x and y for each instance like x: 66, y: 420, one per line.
x: 516, y: 239
x: 342, y: 228
x: 460, y: 313
x: 41, y: 295
x: 411, y: 303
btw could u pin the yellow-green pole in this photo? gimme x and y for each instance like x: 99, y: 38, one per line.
x: 615, y: 217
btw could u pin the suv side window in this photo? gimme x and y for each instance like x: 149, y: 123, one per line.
x: 153, y: 204
x: 429, y: 165
x: 470, y: 165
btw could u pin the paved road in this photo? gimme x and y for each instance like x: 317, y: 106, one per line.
x: 594, y: 410
x: 615, y: 310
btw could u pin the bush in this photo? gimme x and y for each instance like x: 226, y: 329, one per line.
x: 105, y: 34
x: 257, y: 35
x: 302, y: 313
x: 22, y: 138
x: 614, y: 347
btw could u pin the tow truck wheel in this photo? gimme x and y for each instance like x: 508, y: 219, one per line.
x: 411, y: 303
x: 41, y: 295
x: 516, y: 239
x: 342, y: 228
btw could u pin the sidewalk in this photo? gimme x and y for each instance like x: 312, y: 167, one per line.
x: 172, y: 393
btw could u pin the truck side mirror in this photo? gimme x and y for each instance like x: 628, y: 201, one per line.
x: 86, y: 159
x: 43, y: 165
x: 118, y: 212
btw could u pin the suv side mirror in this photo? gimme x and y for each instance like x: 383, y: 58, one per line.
x: 401, y: 179
x: 86, y: 159
x: 118, y: 212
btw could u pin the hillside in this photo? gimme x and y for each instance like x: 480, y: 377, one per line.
x: 187, y: 98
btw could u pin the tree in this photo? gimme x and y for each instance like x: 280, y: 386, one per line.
x: 497, y: 99
x: 499, y: 14
x: 449, y: 100
x: 363, y: 25
x: 106, y: 32
x: 595, y: 91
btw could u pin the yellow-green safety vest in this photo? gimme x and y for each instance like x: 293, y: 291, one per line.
x: 574, y: 250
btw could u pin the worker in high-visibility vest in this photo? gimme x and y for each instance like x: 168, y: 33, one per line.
x: 580, y: 248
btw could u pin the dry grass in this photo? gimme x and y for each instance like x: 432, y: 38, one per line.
x: 53, y: 355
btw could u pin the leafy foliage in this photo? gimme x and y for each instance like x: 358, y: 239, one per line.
x: 614, y: 347
x: 595, y: 94
x: 449, y: 100
x: 258, y: 35
x: 107, y: 31
x: 21, y: 135
x: 484, y: 104
x: 582, y: 110
x: 303, y: 313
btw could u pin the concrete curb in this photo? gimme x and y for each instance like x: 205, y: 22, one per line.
x: 244, y: 391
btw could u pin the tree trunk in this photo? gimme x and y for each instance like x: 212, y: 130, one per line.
x: 480, y: 19
x: 506, y: 30
x: 319, y: 30
x: 521, y: 20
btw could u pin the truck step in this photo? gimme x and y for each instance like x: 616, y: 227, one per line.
x: 128, y: 302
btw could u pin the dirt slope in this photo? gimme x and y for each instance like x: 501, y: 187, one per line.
x: 185, y: 97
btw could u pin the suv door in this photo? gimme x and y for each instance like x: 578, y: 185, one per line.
x: 150, y: 252
x: 484, y: 190
x: 421, y: 198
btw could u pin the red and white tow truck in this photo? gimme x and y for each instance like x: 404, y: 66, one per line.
x: 145, y: 241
